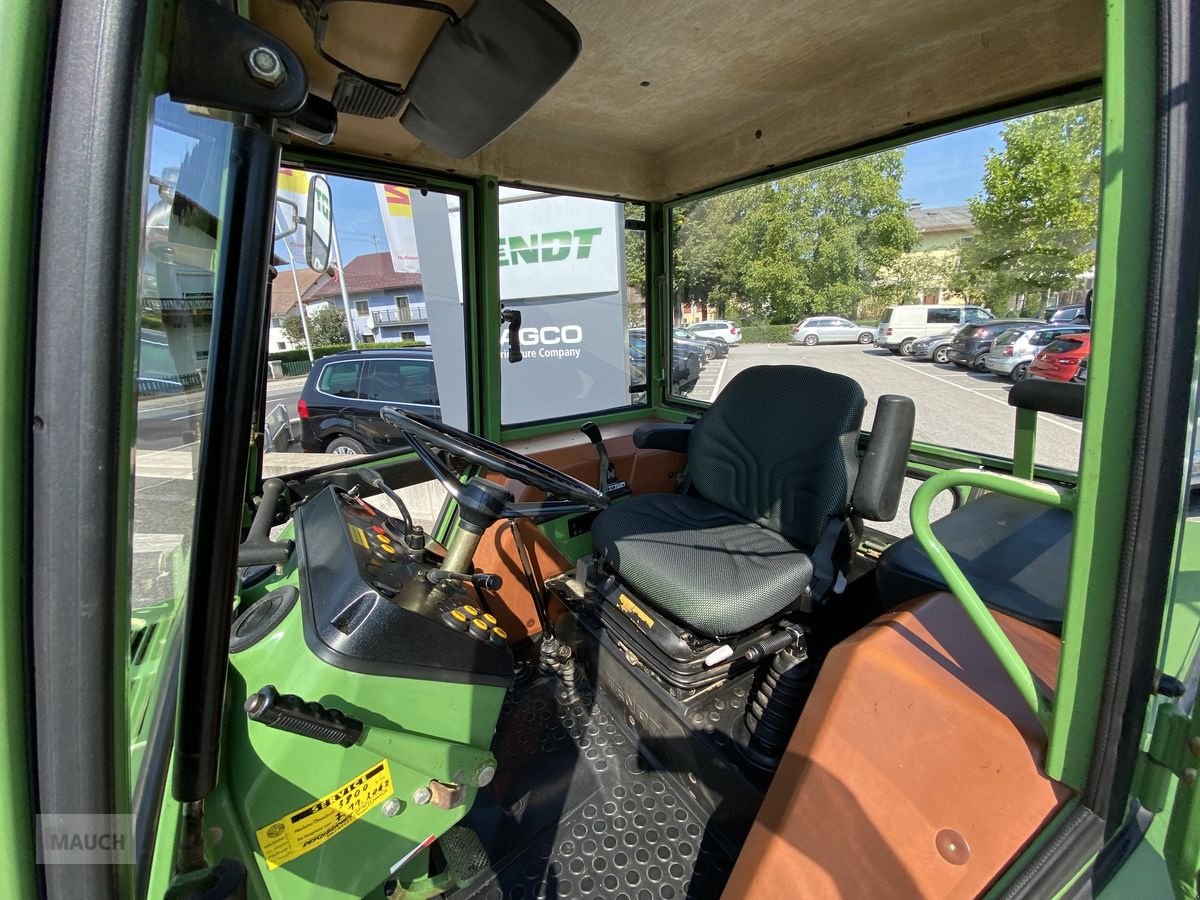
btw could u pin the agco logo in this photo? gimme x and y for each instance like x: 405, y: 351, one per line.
x: 547, y: 341
x: 549, y: 246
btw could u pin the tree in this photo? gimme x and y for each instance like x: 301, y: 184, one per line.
x: 1036, y: 214
x: 325, y: 327
x: 811, y: 243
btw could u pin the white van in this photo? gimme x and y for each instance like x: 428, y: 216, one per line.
x: 901, y: 326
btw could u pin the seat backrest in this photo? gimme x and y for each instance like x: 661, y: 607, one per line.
x: 779, y: 447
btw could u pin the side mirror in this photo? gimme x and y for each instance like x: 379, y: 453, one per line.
x: 318, y: 220
x: 287, y: 218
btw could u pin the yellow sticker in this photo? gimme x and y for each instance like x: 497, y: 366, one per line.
x: 632, y: 609
x: 360, y: 536
x: 312, y: 825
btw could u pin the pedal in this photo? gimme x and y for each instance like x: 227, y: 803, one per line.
x: 464, y: 853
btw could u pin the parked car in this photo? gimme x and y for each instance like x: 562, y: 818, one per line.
x: 685, y: 363
x: 830, y: 330
x: 970, y: 346
x: 934, y: 347
x: 902, y: 326
x: 701, y: 347
x: 1067, y: 315
x: 718, y: 328
x: 1060, y: 359
x: 340, y: 402
x: 1015, y: 349
x: 712, y: 347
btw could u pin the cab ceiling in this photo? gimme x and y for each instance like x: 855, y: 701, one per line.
x: 734, y: 88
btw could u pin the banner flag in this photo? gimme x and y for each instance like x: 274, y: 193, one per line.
x: 292, y: 186
x: 395, y: 207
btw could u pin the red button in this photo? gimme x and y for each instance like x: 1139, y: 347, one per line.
x: 378, y: 529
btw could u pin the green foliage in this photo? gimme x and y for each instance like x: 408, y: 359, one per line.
x: 330, y: 349
x: 813, y: 243
x: 766, y: 334
x: 1037, y: 212
x: 327, y: 326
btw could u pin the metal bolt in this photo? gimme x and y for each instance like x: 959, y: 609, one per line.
x: 1194, y: 745
x: 422, y: 795
x: 485, y: 775
x: 392, y: 806
x: 266, y: 67
x: 1188, y: 776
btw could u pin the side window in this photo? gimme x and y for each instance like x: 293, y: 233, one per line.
x: 1000, y: 218
x: 575, y: 270
x: 340, y: 380
x: 400, y: 381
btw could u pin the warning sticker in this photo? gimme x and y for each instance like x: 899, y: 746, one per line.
x: 312, y: 825
x: 634, y: 611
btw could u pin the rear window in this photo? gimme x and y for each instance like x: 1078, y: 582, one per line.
x: 1042, y: 338
x: 1008, y: 337
x: 1063, y: 345
x: 340, y: 380
x: 971, y: 331
x: 886, y: 317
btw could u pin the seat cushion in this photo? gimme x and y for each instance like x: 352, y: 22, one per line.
x: 1014, y: 553
x: 699, y: 563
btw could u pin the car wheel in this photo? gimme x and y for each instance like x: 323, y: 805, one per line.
x: 866, y: 337
x: 906, y: 347
x: 344, y: 446
x: 979, y: 363
x: 941, y: 355
x: 1021, y: 372
x: 710, y: 352
x: 810, y: 340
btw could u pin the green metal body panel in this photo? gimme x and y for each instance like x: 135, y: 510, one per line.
x: 1117, y: 329
x: 23, y: 54
x: 267, y: 774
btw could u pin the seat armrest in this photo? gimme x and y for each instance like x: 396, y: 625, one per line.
x: 662, y: 436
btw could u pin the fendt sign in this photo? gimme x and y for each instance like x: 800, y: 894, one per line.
x: 549, y: 247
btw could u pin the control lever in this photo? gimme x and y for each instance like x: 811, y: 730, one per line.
x: 374, y: 479
x: 258, y: 548
x: 436, y: 758
x: 609, y: 485
x: 513, y: 318
x: 483, y: 581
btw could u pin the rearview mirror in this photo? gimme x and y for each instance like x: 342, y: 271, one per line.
x: 318, y: 220
x: 287, y: 218
x: 482, y: 73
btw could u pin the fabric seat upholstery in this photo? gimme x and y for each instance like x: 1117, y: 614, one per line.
x: 773, y: 463
x: 701, y: 563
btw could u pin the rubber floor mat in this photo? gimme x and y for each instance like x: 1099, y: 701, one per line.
x: 573, y: 812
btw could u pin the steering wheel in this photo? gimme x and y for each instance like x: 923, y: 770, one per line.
x: 565, y: 494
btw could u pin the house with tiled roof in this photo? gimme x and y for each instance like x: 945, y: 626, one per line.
x: 386, y: 305
x: 285, y: 302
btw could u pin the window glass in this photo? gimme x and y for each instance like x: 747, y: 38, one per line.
x: 400, y: 381
x: 340, y: 379
x: 943, y: 316
x: 394, y: 282
x: 576, y: 277
x: 187, y: 161
x: 995, y: 219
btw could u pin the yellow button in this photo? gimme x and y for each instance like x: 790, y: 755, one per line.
x: 391, y: 551
x: 480, y: 624
x: 458, y: 614
x: 384, y: 539
x: 489, y: 618
x: 470, y: 610
x: 500, y: 633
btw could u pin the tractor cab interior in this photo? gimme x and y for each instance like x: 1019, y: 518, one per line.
x: 700, y: 638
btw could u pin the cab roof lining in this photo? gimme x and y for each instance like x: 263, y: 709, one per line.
x: 734, y: 89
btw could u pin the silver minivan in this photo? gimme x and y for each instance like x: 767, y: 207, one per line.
x: 902, y: 326
x: 1014, y: 350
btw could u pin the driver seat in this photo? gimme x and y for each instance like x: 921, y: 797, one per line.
x: 774, y: 469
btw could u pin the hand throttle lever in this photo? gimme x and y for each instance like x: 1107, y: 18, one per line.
x: 482, y: 580
x: 609, y: 484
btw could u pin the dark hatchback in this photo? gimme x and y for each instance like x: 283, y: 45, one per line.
x: 339, y: 405
x: 971, y: 345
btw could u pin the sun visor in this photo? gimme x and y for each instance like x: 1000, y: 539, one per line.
x: 481, y: 75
